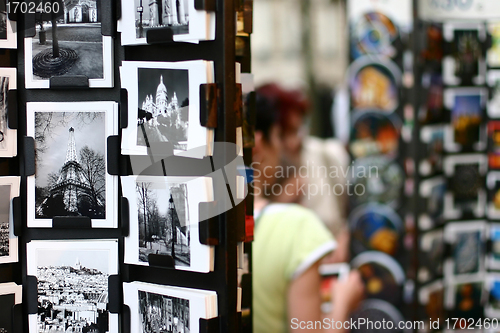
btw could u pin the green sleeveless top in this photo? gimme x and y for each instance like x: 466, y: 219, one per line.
x: 289, y: 239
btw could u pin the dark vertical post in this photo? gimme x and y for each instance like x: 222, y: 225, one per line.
x: 55, y: 41
x: 140, y: 10
x: 172, y: 212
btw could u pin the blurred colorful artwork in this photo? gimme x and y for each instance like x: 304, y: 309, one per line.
x: 374, y: 87
x: 376, y: 310
x: 374, y: 133
x: 492, y: 285
x: 375, y: 227
x: 432, y: 159
x: 494, y: 145
x: 468, y: 298
x: 384, y: 185
x: 494, y: 299
x: 466, y: 117
x: 467, y: 54
x: 380, y: 278
x: 435, y: 307
x: 493, y: 54
x: 467, y: 252
x: 435, y: 201
x: 433, y: 109
x: 495, y: 248
x: 373, y: 33
x: 431, y: 255
x: 494, y: 102
x: 465, y: 185
x: 434, y: 49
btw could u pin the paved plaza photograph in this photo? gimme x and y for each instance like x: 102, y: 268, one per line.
x: 71, y: 44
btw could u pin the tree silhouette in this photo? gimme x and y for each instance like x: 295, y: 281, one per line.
x: 94, y: 170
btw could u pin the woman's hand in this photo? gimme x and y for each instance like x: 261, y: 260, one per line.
x: 349, y: 293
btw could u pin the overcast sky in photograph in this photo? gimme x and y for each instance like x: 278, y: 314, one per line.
x: 96, y: 259
x: 89, y: 133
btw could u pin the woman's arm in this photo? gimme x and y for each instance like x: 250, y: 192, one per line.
x: 304, y: 301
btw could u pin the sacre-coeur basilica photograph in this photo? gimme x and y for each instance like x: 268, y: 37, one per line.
x: 249, y: 166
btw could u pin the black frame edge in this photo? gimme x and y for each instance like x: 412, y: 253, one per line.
x: 31, y: 288
x: 113, y: 155
x: 69, y: 82
x: 114, y: 292
x: 125, y: 216
x: 123, y: 106
x: 29, y: 156
x: 17, y: 211
x: 12, y: 113
x: 211, y: 325
x: 71, y: 222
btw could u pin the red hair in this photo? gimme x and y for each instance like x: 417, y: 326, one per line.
x: 286, y: 101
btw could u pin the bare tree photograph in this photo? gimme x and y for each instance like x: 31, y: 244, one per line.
x: 173, y: 14
x: 4, y: 220
x: 70, y: 43
x: 4, y: 88
x: 163, y: 216
x: 3, y: 20
x: 71, y: 181
x: 79, y: 303
x: 163, y: 107
x: 160, y: 313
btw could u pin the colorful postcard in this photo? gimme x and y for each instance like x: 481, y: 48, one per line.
x: 374, y: 84
x: 467, y: 131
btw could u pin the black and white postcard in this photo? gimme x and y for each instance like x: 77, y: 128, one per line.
x: 8, y: 137
x: 467, y: 240
x: 164, y: 217
x: 467, y: 107
x: 8, y: 28
x: 466, y: 65
x: 180, y: 16
x: 465, y: 190
x: 72, y: 45
x: 9, y: 189
x: 81, y: 269
x: 156, y: 308
x: 10, y: 295
x: 164, y: 106
x: 71, y: 166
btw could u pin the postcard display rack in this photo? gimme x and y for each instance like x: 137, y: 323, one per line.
x: 103, y: 233
x: 380, y: 79
x: 455, y: 176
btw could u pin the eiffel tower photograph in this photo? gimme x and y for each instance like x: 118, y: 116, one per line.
x: 70, y: 175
